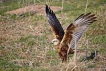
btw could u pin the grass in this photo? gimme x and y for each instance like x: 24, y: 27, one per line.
x: 9, y: 5
x: 24, y: 69
x: 26, y: 38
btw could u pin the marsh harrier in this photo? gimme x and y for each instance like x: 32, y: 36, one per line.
x: 66, y: 41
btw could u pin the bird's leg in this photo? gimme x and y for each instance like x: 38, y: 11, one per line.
x: 71, y: 51
x: 63, y: 53
x: 63, y: 56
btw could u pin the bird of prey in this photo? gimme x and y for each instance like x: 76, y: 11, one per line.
x: 66, y: 41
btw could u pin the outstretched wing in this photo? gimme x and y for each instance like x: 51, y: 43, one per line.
x: 76, y: 29
x: 54, y: 23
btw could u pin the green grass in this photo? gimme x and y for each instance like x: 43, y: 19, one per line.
x: 9, y: 5
x: 24, y: 69
x: 25, y: 44
x: 92, y: 66
x: 1, y: 47
x: 52, y: 53
x: 14, y: 4
x: 101, y: 39
x: 7, y: 64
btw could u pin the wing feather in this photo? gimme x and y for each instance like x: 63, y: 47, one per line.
x: 76, y: 29
x: 54, y: 23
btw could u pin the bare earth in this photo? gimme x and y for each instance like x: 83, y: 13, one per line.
x: 38, y: 9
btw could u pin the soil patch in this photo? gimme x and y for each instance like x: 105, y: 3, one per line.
x: 38, y: 9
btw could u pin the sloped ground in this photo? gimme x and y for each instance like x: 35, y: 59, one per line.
x: 38, y: 9
x: 25, y: 40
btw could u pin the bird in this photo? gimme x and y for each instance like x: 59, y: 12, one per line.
x: 65, y: 41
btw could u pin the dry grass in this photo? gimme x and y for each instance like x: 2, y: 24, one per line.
x: 25, y: 39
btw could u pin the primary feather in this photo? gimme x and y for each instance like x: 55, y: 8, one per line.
x: 81, y: 24
x: 54, y: 23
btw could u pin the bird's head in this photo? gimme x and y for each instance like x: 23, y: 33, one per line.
x: 55, y: 41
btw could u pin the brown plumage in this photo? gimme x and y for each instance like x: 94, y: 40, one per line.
x: 69, y: 38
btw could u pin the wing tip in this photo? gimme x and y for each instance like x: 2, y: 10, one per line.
x: 83, y: 15
x: 92, y: 18
x: 48, y: 10
x: 89, y: 17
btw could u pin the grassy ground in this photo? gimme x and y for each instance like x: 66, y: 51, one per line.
x: 25, y: 40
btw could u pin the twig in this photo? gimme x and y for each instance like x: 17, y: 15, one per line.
x: 75, y: 51
x: 40, y: 1
x: 86, y: 6
x: 73, y: 68
x: 87, y: 49
x: 75, y: 54
x: 62, y: 6
x: 34, y: 1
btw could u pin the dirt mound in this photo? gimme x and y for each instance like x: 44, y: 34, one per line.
x: 38, y: 9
